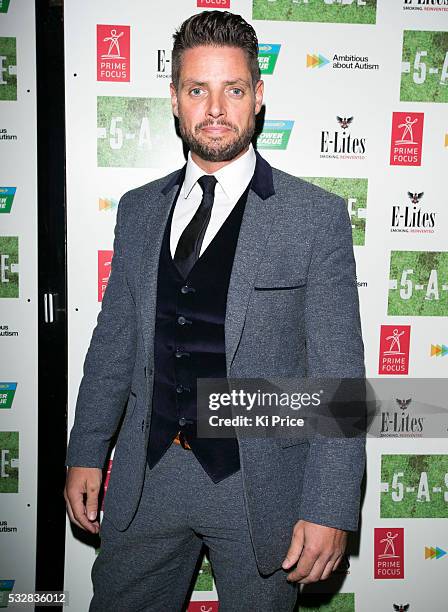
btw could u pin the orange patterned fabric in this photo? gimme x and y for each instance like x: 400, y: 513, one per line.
x: 182, y: 441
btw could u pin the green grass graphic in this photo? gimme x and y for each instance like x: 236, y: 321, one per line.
x: 339, y: 602
x: 353, y: 189
x: 422, y: 473
x: 314, y: 10
x: 137, y: 132
x: 9, y: 245
x: 430, y: 87
x: 429, y: 269
x: 9, y: 440
x: 8, y: 57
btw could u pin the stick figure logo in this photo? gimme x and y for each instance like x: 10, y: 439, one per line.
x: 114, y: 46
x: 407, y: 135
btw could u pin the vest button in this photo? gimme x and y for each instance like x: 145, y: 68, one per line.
x: 182, y: 421
x: 181, y: 320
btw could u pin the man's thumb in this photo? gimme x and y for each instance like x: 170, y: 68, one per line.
x: 294, y: 550
x: 92, y: 505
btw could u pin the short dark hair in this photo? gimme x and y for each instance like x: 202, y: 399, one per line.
x: 215, y: 28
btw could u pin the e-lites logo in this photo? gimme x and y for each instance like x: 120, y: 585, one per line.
x: 7, y: 392
x: 394, y: 349
x: 399, y: 423
x: 6, y: 198
x: 411, y: 217
x: 267, y: 57
x: 389, y: 553
x: 406, y: 139
x: 213, y: 4
x: 425, y: 5
x: 401, y: 607
x: 113, y: 53
x: 163, y: 64
x: 342, y: 143
x: 104, y: 270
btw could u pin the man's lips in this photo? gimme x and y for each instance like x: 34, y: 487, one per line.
x: 215, y: 129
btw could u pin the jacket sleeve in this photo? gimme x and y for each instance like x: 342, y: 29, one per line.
x: 108, y: 366
x: 335, y: 464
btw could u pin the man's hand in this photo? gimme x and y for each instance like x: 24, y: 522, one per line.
x: 82, y: 481
x: 319, y: 549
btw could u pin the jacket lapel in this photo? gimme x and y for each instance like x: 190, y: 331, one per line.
x: 254, y: 232
x: 157, y: 217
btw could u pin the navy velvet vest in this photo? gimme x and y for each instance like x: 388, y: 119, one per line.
x: 189, y: 344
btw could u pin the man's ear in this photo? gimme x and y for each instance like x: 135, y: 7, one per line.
x: 259, y: 91
x: 173, y: 94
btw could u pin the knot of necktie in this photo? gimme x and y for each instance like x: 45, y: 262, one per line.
x: 207, y: 183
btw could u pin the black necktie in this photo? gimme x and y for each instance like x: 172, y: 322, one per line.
x: 190, y: 242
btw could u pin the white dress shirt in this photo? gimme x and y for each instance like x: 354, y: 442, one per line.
x: 232, y: 182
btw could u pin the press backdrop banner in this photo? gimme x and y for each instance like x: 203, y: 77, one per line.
x: 356, y: 95
x: 18, y: 299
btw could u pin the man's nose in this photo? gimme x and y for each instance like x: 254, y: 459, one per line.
x: 216, y: 105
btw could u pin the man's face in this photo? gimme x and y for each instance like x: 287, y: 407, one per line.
x: 215, y: 102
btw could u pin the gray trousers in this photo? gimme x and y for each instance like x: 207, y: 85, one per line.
x: 149, y: 567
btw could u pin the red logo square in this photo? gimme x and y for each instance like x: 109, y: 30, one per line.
x: 389, y: 553
x: 104, y: 270
x: 224, y: 4
x: 106, y: 482
x: 113, y: 53
x: 394, y: 349
x: 407, y: 139
x: 203, y: 606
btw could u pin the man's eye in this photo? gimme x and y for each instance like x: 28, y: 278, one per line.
x: 196, y: 91
x: 237, y: 91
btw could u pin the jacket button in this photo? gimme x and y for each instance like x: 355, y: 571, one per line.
x: 184, y: 289
x: 181, y: 320
x: 179, y: 388
x: 182, y: 421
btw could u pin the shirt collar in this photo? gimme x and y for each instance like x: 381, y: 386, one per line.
x: 231, y: 177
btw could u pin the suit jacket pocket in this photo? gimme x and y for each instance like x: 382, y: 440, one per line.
x: 279, y: 284
x: 286, y: 442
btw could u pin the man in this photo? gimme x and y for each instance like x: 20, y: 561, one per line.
x: 227, y: 267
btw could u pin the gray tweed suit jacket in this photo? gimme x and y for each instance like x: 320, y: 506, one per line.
x: 295, y: 243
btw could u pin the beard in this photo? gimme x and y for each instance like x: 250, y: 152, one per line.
x: 220, y: 148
